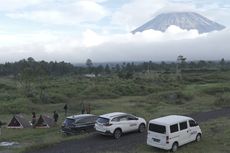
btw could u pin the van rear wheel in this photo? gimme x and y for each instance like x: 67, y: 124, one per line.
x: 198, y: 137
x: 174, y: 147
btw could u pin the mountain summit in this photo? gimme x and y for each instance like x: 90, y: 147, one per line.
x: 184, y: 20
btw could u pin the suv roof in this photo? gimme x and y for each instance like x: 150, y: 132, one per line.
x: 169, y: 120
x: 112, y: 115
x: 79, y: 116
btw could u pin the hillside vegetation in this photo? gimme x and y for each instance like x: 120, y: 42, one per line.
x: 147, y: 89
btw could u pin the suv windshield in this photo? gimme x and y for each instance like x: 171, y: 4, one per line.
x: 103, y: 120
x: 157, y: 128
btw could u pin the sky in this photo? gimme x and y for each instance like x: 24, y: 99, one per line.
x: 74, y: 30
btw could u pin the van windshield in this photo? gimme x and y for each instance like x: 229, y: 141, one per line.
x: 157, y: 128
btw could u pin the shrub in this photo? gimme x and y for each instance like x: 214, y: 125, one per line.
x: 176, y: 97
x: 216, y: 90
x: 55, y: 98
x: 222, y: 100
x: 12, y: 107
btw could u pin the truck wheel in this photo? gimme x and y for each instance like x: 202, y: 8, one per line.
x: 117, y: 134
x: 174, y: 147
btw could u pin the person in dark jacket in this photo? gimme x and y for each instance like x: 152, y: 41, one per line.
x: 88, y: 109
x: 82, y: 108
x: 33, y: 119
x: 55, y: 116
x: 65, y: 109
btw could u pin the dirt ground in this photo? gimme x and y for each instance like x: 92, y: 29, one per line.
x: 101, y: 144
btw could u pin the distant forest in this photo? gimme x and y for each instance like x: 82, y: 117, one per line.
x: 31, y: 67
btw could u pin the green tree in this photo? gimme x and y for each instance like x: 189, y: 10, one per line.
x: 222, y: 64
x: 107, y: 69
x: 89, y: 65
x: 180, y: 63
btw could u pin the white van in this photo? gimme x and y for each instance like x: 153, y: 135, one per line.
x: 172, y: 131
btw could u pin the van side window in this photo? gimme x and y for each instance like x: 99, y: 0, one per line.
x: 192, y: 123
x: 183, y: 125
x: 174, y: 128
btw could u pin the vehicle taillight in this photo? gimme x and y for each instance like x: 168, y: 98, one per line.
x: 167, y: 139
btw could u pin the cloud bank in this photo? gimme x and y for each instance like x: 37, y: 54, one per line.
x: 148, y: 45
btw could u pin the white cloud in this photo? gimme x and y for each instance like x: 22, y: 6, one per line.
x: 148, y: 45
x: 91, y: 38
x: 27, y: 38
x: 212, y: 46
x: 64, y: 13
x: 10, y: 5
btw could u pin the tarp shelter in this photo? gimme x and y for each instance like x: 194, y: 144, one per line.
x: 44, y: 122
x: 18, y: 122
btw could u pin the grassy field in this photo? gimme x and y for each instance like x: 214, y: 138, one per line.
x: 145, y: 95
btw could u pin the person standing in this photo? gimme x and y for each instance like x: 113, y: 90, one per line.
x: 82, y: 108
x: 55, y: 117
x: 88, y: 109
x: 65, y: 109
x: 33, y: 119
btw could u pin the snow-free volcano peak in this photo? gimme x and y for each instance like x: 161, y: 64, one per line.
x: 184, y: 20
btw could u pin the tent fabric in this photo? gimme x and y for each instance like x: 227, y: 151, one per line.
x: 44, y: 122
x: 18, y: 121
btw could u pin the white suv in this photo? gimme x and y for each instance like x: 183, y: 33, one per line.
x: 117, y: 123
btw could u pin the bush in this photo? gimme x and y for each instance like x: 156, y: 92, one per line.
x: 216, y: 90
x: 12, y: 107
x: 222, y: 100
x: 6, y: 87
x: 55, y: 98
x: 176, y: 97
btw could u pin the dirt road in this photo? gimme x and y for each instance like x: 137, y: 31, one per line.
x: 100, y: 144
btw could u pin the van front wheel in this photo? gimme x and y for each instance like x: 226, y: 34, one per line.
x: 174, y: 147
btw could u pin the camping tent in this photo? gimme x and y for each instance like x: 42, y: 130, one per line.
x: 44, y: 122
x: 18, y: 121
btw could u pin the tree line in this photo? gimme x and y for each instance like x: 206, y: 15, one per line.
x: 124, y: 70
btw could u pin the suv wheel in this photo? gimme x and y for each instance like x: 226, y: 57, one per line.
x: 174, y: 147
x: 141, y: 128
x: 117, y: 133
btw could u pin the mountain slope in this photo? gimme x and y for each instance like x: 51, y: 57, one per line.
x: 184, y: 20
